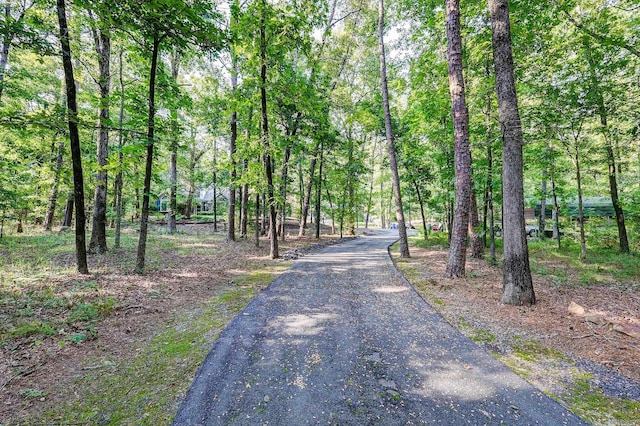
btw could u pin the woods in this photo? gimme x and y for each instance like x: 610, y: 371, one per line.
x: 263, y: 113
x: 161, y: 162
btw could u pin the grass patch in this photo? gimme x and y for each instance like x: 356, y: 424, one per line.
x: 482, y: 336
x: 603, y: 266
x: 435, y: 240
x: 531, y: 350
x: 145, y: 389
x: 593, y: 405
x: 30, y: 329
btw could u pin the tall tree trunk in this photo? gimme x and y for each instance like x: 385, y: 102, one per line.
x: 264, y: 224
x: 119, y: 180
x: 144, y: 220
x: 6, y: 44
x: 173, y: 156
x: 556, y: 209
x: 48, y: 220
x: 623, y: 240
x: 489, y: 209
x: 244, y: 220
x: 402, y: 229
x: 319, y: 193
x: 102, y: 44
x: 615, y: 200
x: 74, y: 139
x: 215, y: 199
x: 283, y: 192
x: 333, y: 215
x: 542, y: 220
x: 477, y: 246
x: 244, y: 205
x: 462, y: 154
x: 307, y: 193
x: 370, y: 196
x: 383, y: 221
x: 583, y: 240
x: 194, y: 159
x: 517, y: 282
x: 421, y: 202
x: 257, y: 222
x: 68, y: 210
x: 233, y: 121
x: 273, y: 238
x: 215, y: 187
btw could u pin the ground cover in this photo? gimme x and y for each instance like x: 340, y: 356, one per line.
x: 582, y: 358
x: 114, y: 347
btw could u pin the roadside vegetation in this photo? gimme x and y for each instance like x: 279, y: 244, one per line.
x: 114, y: 347
x: 582, y: 361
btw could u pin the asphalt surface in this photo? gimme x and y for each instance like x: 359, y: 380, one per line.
x: 341, y: 338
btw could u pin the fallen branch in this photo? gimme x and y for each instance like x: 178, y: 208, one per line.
x: 585, y: 336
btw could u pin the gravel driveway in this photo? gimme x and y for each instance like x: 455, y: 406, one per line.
x: 342, y: 339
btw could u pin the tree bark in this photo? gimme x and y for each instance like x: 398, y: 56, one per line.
x: 119, y: 175
x: 53, y: 198
x: 623, y: 240
x: 74, y: 139
x: 144, y: 220
x: 244, y: 205
x: 517, y: 282
x: 402, y: 229
x: 257, y: 221
x: 583, y: 240
x: 68, y: 210
x: 307, y: 193
x: 477, y: 246
x: 542, y: 220
x: 462, y: 154
x: 173, y: 156
x: 231, y: 212
x: 489, y: 209
x: 283, y: 191
x: 102, y: 44
x: 273, y: 238
x: 555, y: 212
x: 319, y: 193
x: 421, y: 202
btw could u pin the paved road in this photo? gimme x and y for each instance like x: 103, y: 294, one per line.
x: 342, y: 339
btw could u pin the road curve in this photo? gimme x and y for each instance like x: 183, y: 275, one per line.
x: 341, y: 338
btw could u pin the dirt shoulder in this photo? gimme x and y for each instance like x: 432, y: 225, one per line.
x: 578, y: 356
x: 134, y: 342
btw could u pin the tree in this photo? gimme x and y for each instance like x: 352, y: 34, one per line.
x: 517, y: 283
x: 13, y: 29
x: 600, y: 106
x: 264, y: 116
x: 462, y: 154
x: 102, y: 44
x: 402, y: 229
x: 176, y: 58
x: 74, y: 139
x: 183, y: 24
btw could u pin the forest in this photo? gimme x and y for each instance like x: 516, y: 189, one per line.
x: 276, y: 110
x: 487, y: 126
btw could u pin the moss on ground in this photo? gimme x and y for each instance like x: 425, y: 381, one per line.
x: 590, y: 403
x: 146, y: 389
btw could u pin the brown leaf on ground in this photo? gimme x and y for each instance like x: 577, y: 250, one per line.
x: 475, y: 300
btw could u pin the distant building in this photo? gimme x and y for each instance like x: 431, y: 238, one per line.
x: 591, y: 207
